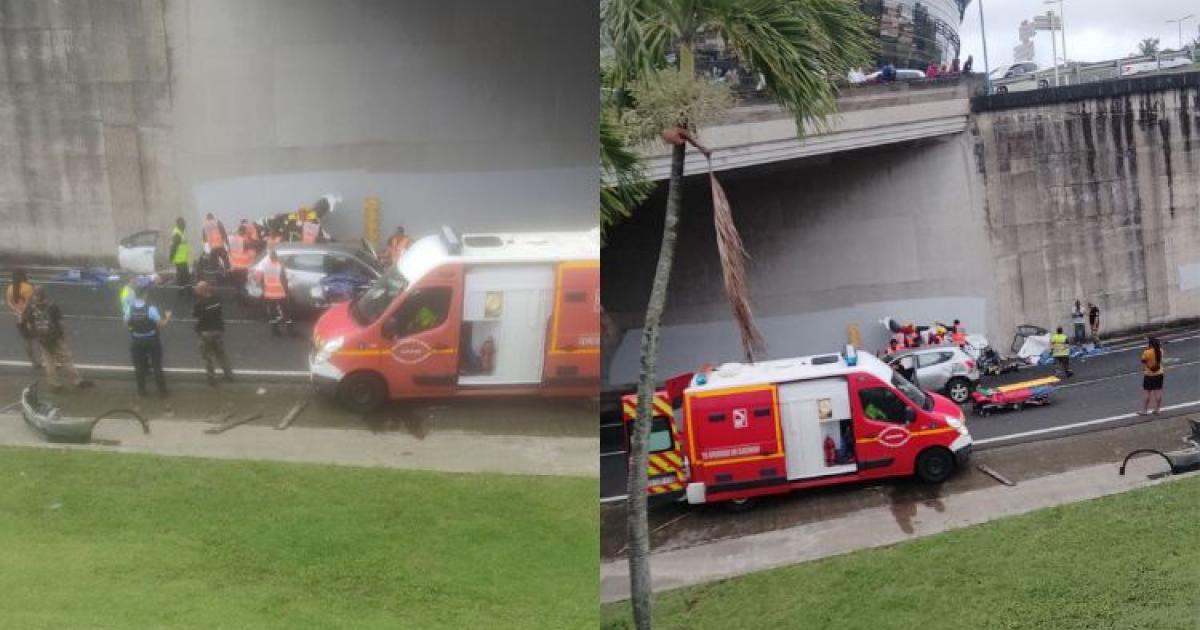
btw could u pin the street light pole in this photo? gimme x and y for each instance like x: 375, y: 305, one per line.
x: 1179, y: 22
x: 987, y: 69
x: 1062, y: 27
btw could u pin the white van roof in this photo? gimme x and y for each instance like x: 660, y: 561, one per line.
x: 498, y: 248
x: 788, y: 370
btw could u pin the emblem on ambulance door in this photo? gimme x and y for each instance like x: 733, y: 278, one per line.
x: 894, y: 437
x: 740, y: 419
x: 410, y: 351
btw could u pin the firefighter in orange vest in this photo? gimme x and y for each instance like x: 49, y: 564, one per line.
x: 241, y: 255
x: 272, y: 277
x: 397, y: 244
x: 960, y: 333
x: 215, y: 237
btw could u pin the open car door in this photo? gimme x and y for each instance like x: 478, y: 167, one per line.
x: 135, y: 253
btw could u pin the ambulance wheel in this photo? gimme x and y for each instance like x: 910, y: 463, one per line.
x: 740, y: 505
x: 959, y: 390
x: 362, y: 392
x: 935, y: 465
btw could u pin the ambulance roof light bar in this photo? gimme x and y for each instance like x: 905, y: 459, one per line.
x: 851, y: 355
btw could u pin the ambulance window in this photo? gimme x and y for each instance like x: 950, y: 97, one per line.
x: 425, y: 309
x: 660, y: 436
x: 883, y: 405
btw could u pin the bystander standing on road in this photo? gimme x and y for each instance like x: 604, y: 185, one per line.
x: 1060, y: 349
x: 1094, y: 321
x: 44, y: 320
x: 17, y: 296
x: 1077, y: 319
x: 1152, y: 376
x: 210, y: 329
x: 145, y: 347
x: 180, y: 254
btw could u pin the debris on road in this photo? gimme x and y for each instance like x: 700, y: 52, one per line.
x: 989, y: 471
x: 1182, y: 461
x: 231, y: 424
x: 47, y: 421
x: 290, y: 417
x: 261, y: 391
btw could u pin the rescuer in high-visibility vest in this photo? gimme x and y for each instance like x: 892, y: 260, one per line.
x: 241, y: 255
x: 273, y: 278
x: 1060, y: 349
x: 180, y: 254
x: 397, y: 244
x: 215, y: 237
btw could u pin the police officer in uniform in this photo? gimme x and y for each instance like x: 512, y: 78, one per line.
x: 144, y: 322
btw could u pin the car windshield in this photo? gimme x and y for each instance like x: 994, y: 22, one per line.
x: 375, y: 300
x: 913, y: 392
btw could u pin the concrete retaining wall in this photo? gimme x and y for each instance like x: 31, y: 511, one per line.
x: 1095, y: 199
x: 118, y: 116
x: 848, y: 240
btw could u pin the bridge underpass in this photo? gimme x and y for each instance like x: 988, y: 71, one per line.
x: 1039, y: 199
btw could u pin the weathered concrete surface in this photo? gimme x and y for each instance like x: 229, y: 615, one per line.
x: 120, y: 115
x: 444, y: 451
x: 868, y: 116
x: 85, y: 125
x: 1094, y: 199
x: 894, y: 231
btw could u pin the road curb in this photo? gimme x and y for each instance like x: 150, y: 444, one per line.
x: 290, y: 376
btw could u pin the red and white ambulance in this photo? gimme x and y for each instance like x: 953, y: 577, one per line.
x: 741, y: 431
x: 480, y: 315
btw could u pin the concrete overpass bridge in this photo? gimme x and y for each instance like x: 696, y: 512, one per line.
x: 869, y: 116
x: 925, y: 204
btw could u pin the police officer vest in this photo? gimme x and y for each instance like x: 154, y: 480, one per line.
x: 140, y: 323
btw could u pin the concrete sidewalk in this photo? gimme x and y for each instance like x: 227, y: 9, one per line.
x: 874, y: 527
x: 448, y: 451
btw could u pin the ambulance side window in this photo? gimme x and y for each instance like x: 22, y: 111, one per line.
x: 883, y: 405
x: 425, y: 309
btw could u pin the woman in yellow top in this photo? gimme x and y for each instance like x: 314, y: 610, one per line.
x: 16, y: 297
x: 1152, y: 376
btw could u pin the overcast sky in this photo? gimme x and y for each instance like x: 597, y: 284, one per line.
x: 1096, y: 30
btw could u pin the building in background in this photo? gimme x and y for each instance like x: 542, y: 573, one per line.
x: 916, y: 33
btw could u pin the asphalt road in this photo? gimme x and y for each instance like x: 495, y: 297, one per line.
x: 96, y: 335
x: 1106, y: 387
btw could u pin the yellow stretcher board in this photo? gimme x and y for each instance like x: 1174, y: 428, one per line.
x: 1049, y: 380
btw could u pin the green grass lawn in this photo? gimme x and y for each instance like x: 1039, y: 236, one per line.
x: 102, y: 540
x: 1126, y: 561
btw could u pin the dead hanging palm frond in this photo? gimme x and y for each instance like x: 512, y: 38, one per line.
x: 733, y: 268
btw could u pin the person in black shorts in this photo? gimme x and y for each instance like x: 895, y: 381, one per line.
x: 1152, y: 376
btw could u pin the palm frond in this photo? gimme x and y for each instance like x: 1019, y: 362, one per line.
x: 623, y: 185
x: 733, y: 269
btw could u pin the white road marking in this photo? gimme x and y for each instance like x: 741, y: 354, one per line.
x: 614, y: 499
x: 173, y: 370
x: 612, y: 453
x: 1075, y: 425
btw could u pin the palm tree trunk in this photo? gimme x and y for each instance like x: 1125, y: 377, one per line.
x: 639, y: 534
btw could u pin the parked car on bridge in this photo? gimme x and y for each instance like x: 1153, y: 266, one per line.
x: 307, y: 264
x: 945, y: 368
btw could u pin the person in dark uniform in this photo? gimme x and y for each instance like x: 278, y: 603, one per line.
x: 145, y: 348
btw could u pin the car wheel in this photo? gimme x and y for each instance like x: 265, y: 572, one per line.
x: 1002, y: 90
x: 959, y: 390
x: 1043, y: 84
x: 935, y: 465
x: 362, y: 392
x: 740, y: 505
